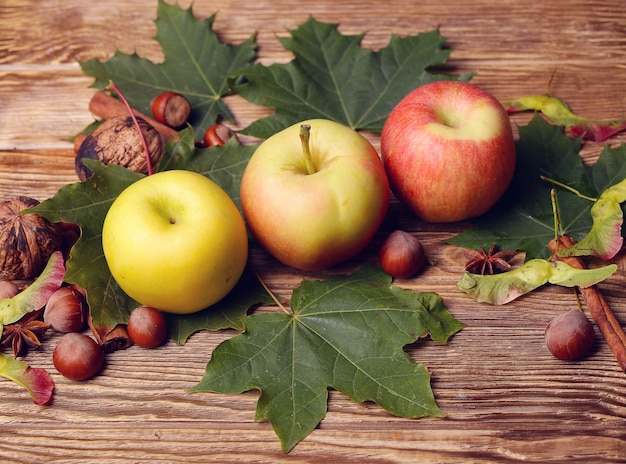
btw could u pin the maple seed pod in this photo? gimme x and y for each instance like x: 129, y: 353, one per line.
x: 217, y: 135
x: 171, y: 109
x: 569, y: 335
x: 67, y: 310
x: 77, y: 356
x: 401, y: 255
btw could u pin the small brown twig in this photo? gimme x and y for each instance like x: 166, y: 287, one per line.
x: 602, y: 314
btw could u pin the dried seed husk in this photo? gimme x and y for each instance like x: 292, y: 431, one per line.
x: 110, y: 339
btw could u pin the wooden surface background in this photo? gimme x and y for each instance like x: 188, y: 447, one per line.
x: 507, y: 399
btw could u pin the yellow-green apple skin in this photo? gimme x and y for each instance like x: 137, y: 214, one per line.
x: 175, y: 241
x: 448, y: 150
x: 314, y: 221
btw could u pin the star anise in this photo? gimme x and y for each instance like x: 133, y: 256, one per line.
x: 24, y: 333
x: 490, y: 262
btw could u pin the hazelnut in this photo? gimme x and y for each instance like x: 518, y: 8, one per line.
x: 171, y: 108
x: 147, y: 327
x: 569, y: 335
x: 8, y: 289
x: 401, y: 255
x: 77, y: 356
x: 67, y: 310
x: 217, y: 135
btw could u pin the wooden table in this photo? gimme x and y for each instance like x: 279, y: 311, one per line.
x: 507, y: 399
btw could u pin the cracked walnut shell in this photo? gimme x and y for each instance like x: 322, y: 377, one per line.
x: 26, y: 240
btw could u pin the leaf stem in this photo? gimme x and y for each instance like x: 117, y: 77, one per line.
x: 578, y: 302
x: 132, y: 115
x: 305, y: 135
x: 271, y: 293
x: 555, y: 214
x: 568, y: 188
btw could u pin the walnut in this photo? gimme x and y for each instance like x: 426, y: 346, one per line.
x: 26, y: 240
x: 117, y: 141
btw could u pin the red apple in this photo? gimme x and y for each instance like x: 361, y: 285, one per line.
x: 448, y: 151
x: 314, y: 194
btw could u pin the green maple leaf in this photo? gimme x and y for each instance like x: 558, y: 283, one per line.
x: 333, y: 77
x: 196, y: 65
x: 228, y: 313
x: 86, y: 204
x: 346, y: 333
x: 609, y: 169
x: 523, y: 219
x: 224, y: 164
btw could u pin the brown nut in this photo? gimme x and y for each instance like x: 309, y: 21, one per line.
x: 117, y: 141
x: 147, y: 327
x: 8, y: 289
x: 77, y: 356
x: 26, y: 240
x: 569, y: 335
x: 401, y: 255
x: 67, y: 310
x: 217, y: 135
x: 171, y: 109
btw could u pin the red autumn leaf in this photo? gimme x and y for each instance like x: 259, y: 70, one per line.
x: 558, y: 112
x: 37, y: 381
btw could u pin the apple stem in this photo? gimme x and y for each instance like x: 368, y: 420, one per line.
x: 305, y: 135
x: 556, y: 217
x: 132, y: 115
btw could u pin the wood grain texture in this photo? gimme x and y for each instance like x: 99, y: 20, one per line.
x: 507, y: 400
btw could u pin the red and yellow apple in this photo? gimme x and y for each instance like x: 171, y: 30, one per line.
x: 314, y: 194
x: 175, y: 241
x: 448, y: 151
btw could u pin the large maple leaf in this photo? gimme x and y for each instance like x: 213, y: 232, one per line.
x: 344, y: 332
x: 196, y: 65
x: 333, y: 77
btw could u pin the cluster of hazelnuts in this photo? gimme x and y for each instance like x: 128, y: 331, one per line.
x: 77, y: 356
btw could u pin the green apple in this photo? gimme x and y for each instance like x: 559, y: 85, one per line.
x: 314, y: 194
x: 175, y: 241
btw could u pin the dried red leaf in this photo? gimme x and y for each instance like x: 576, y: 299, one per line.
x: 37, y: 381
x: 558, y: 112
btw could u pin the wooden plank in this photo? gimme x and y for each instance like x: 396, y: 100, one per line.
x: 506, y: 398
